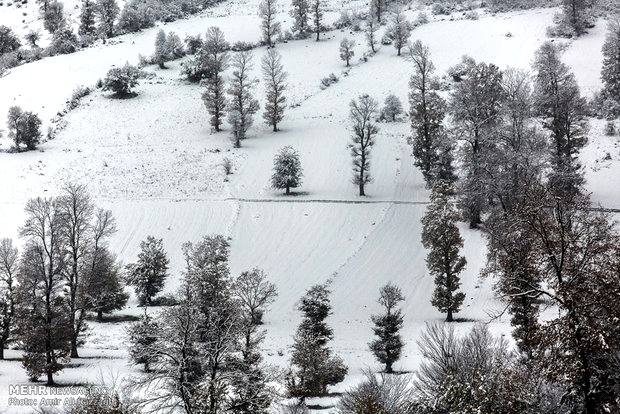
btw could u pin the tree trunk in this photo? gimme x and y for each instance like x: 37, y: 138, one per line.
x: 74, y: 349
x: 288, y: 190
x: 388, y: 368
x: 275, y: 127
x: 100, y: 315
x: 449, y: 318
x: 1, y: 351
x: 362, y: 193
x: 50, y: 378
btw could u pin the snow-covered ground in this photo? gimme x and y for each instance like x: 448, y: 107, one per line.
x: 154, y: 162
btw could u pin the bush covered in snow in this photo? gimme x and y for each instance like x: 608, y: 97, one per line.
x: 122, y: 80
x: 64, y: 42
x: 328, y: 81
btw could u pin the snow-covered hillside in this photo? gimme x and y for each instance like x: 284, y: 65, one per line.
x: 155, y: 163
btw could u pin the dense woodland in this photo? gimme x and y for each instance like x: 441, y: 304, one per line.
x: 498, y: 149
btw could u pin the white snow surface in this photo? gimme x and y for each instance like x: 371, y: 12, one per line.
x: 155, y: 163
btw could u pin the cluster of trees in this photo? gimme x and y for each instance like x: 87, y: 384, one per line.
x: 519, y: 140
x: 234, y: 100
x: 203, y: 354
x: 64, y: 271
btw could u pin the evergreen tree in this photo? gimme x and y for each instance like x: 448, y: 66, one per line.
x: 371, y: 33
x: 315, y: 368
x: 441, y: 236
x: 300, y: 11
x: 388, y: 345
x: 24, y: 128
x: 241, y: 106
x: 107, y: 12
x: 444, y: 168
x: 399, y: 31
x: 317, y: 17
x: 475, y: 108
x: 149, y: 273
x: 270, y: 27
x: 162, y: 54
x: 274, y: 77
x: 42, y: 315
x: 213, y: 60
x: 54, y: 17
x: 427, y: 112
x: 610, y: 73
x: 576, y: 14
x: 8, y: 292
x: 142, y: 335
x: 346, y: 50
x: 362, y: 113
x: 88, y: 18
x: 287, y: 170
x: 559, y: 102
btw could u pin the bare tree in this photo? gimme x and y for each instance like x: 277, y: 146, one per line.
x: 76, y: 212
x: 255, y: 293
x: 362, y: 114
x: 44, y: 326
x: 8, y: 269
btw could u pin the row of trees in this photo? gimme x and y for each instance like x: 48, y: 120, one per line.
x: 64, y: 271
x: 208, y: 65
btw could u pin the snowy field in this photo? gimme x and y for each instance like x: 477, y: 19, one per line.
x: 155, y: 163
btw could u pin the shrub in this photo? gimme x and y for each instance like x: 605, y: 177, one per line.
x: 227, y: 166
x: 122, y: 80
x: 8, y: 41
x: 378, y: 394
x: 77, y: 95
x: 328, y: 81
x: 64, y: 42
